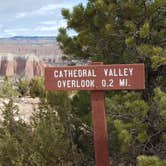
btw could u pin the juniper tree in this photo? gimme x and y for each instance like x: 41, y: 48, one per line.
x: 125, y: 31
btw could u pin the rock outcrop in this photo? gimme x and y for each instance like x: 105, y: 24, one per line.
x: 26, y: 106
x: 45, y: 48
x: 28, y: 66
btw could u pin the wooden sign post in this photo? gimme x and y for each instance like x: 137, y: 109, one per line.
x: 97, y: 78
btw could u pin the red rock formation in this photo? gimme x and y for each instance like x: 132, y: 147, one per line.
x: 10, y: 68
x: 43, y: 51
x: 20, y: 67
x: 28, y: 66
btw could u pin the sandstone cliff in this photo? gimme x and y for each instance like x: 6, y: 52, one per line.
x: 46, y: 49
x: 28, y: 66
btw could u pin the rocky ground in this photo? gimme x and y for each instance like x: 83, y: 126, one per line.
x: 26, y: 106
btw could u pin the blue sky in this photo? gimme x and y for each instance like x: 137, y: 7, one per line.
x: 33, y: 17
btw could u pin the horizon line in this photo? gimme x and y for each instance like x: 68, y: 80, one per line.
x: 26, y: 36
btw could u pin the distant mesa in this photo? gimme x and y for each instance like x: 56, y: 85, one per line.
x: 23, y: 56
x: 28, y: 39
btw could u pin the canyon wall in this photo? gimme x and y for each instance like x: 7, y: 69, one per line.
x: 27, y: 65
x: 46, y: 49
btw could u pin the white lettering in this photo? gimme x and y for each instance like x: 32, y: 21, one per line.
x: 111, y: 81
x: 120, y: 72
x: 55, y: 73
x: 84, y: 72
x: 89, y: 73
x: 115, y: 73
x: 83, y: 83
x: 75, y: 83
x: 105, y: 72
x: 131, y: 71
x: 60, y: 74
x: 75, y: 73
x: 93, y: 73
x: 92, y: 83
x: 64, y: 83
x: 70, y: 73
x: 79, y: 73
x: 103, y: 83
x: 111, y: 73
x: 59, y: 84
x: 125, y: 71
x: 65, y: 72
x: 123, y: 82
x: 69, y: 83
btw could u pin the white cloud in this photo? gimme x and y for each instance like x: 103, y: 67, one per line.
x: 33, y: 17
x: 50, y: 25
x: 50, y: 22
x: 45, y: 10
x: 56, y: 23
x: 51, y: 7
x: 10, y: 34
x: 45, y: 28
x: 1, y: 27
x: 15, y: 31
x: 21, y: 15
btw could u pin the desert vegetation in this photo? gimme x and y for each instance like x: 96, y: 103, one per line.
x: 60, y: 130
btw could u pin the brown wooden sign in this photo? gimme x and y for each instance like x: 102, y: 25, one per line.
x: 95, y: 77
